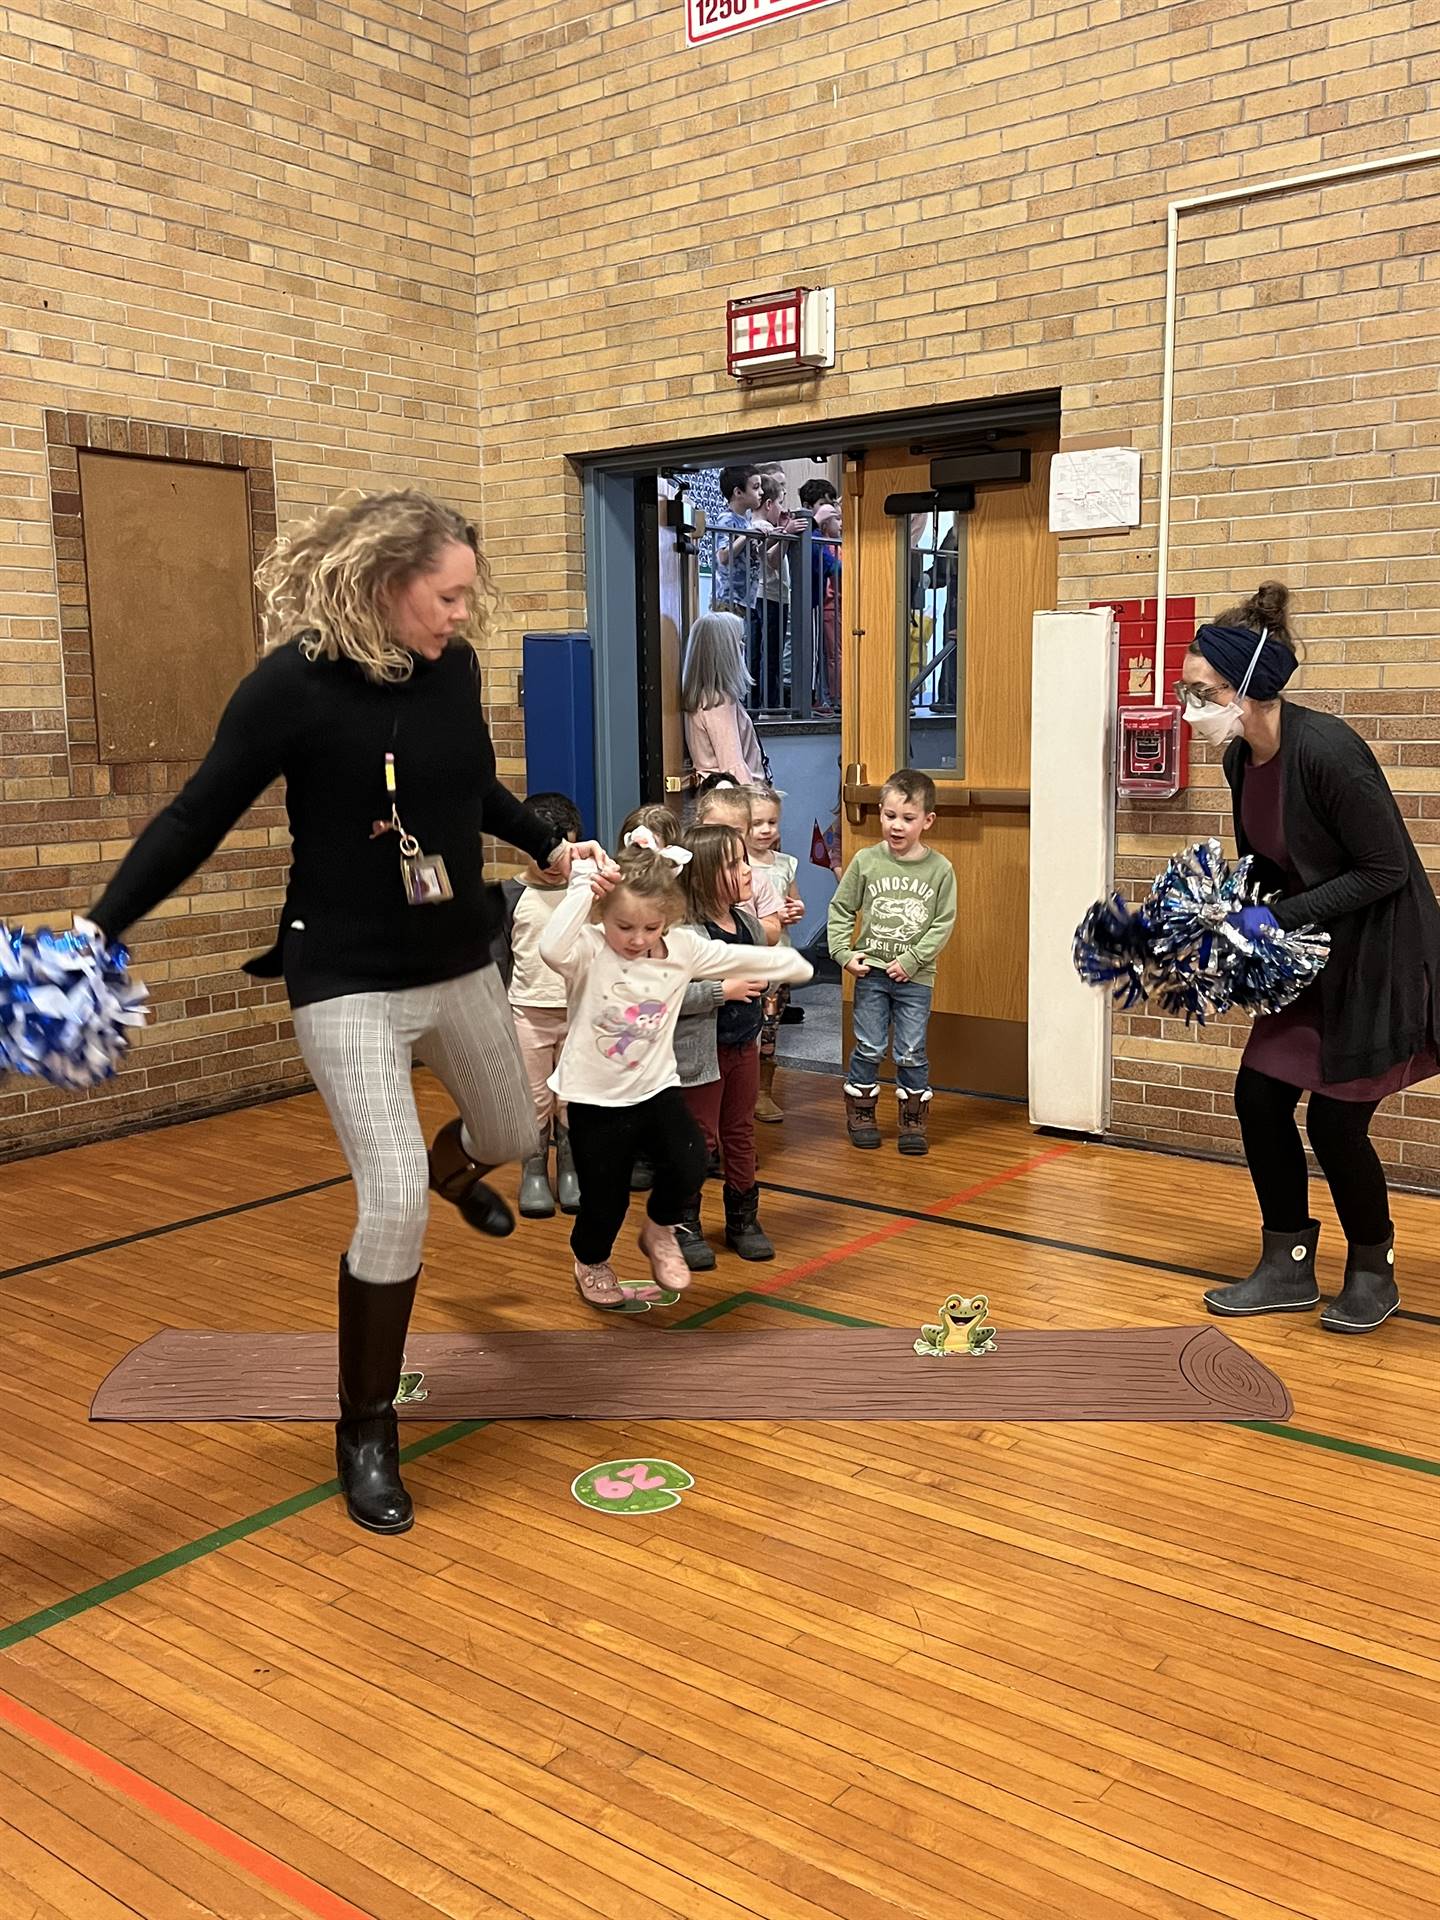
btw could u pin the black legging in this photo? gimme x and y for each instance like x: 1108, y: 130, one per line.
x: 1340, y: 1134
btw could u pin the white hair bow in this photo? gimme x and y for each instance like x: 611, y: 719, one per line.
x: 645, y: 837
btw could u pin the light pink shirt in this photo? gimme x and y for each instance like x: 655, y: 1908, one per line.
x: 723, y: 740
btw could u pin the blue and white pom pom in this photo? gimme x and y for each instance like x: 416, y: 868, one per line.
x: 1201, y: 961
x: 1184, y: 946
x: 67, y: 1005
x: 1112, y: 950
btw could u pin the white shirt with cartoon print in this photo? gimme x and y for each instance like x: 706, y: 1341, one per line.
x: 620, y: 1048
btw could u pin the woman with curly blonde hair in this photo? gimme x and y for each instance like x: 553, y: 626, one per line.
x: 367, y: 703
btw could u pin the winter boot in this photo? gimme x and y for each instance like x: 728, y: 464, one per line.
x: 698, y: 1252
x: 743, y: 1232
x: 1284, y: 1281
x: 860, y: 1115
x: 373, y: 1321
x: 567, y: 1183
x: 914, y: 1114
x: 1369, y: 1294
x: 459, y: 1179
x: 537, y: 1197
x: 765, y: 1107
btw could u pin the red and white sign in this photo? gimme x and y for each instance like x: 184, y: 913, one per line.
x: 778, y: 333
x: 707, y: 20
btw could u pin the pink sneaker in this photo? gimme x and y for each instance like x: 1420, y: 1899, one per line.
x: 667, y: 1262
x: 598, y: 1286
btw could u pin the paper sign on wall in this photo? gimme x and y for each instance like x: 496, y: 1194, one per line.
x: 707, y: 20
x: 1096, y: 490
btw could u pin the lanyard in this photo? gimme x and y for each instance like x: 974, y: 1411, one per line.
x: 409, y: 846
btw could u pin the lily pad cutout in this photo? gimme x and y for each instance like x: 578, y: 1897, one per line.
x: 631, y: 1486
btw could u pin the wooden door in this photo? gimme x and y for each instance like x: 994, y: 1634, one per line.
x: 936, y: 674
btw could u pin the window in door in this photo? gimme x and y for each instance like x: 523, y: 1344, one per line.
x: 932, y: 640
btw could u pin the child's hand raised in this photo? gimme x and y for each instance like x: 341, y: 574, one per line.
x: 858, y: 965
x: 739, y: 989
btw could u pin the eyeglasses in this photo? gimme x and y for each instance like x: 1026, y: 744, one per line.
x: 1187, y: 694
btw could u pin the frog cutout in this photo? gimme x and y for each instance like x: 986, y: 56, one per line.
x: 962, y: 1328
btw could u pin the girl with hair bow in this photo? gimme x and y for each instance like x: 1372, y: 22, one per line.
x: 627, y: 963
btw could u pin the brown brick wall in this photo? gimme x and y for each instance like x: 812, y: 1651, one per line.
x: 252, y: 223
x: 986, y: 190
x: 284, y: 224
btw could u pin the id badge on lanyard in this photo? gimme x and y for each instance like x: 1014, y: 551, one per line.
x: 422, y: 874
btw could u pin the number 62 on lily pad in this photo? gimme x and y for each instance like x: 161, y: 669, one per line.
x: 631, y: 1486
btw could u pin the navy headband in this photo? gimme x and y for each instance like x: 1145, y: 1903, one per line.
x: 1230, y: 651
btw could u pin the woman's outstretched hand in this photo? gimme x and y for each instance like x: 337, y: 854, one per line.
x: 568, y: 850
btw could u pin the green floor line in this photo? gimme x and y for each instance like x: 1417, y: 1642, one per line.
x: 1412, y: 1462
x: 123, y: 1583
x: 141, y: 1576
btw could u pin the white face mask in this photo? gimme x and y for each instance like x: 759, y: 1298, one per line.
x: 1217, y: 725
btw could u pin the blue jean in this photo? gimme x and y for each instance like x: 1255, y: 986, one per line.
x: 879, y: 1002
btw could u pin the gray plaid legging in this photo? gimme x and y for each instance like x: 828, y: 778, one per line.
x: 359, y: 1050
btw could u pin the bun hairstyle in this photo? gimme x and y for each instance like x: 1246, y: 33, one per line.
x: 650, y: 877
x: 1266, y: 611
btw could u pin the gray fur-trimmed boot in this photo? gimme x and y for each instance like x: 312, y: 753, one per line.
x: 1369, y: 1295
x: 1283, y: 1282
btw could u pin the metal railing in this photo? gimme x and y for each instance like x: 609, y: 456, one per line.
x: 786, y: 587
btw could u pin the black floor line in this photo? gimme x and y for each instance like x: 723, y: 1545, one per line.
x: 1037, y: 1240
x: 770, y: 1186
x: 174, y: 1226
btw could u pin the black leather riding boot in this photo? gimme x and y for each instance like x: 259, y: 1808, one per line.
x: 374, y: 1318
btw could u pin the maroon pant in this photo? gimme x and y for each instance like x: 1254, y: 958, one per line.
x: 725, y: 1110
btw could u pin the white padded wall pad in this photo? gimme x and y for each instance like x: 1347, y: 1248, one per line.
x: 1071, y: 863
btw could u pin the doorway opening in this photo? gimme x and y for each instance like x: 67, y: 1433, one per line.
x: 885, y: 572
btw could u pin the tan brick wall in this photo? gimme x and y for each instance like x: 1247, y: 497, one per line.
x: 240, y: 219
x: 261, y: 221
x: 986, y: 188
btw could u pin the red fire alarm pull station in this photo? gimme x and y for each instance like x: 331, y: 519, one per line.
x: 1153, y: 747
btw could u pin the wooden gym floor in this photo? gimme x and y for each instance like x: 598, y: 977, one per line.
x: 862, y: 1671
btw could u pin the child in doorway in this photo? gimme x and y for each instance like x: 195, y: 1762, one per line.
x: 903, y: 894
x: 537, y: 1004
x: 767, y: 861
x: 716, y: 1046
x: 626, y: 964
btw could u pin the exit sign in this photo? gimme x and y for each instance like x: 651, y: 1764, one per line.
x: 707, y: 20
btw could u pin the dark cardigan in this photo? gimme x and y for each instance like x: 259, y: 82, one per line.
x: 1363, y: 884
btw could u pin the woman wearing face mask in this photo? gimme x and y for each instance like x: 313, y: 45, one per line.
x: 1313, y: 807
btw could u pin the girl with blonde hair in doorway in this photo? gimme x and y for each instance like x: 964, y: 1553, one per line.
x: 367, y: 703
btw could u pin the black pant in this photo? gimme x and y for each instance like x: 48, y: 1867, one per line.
x: 1340, y: 1134
x: 606, y: 1141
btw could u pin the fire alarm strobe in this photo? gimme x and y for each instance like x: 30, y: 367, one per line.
x: 769, y: 335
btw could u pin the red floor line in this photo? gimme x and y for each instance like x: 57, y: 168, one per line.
x: 186, y: 1819
x: 896, y: 1227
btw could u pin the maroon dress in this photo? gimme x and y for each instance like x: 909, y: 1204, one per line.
x: 1286, y: 1045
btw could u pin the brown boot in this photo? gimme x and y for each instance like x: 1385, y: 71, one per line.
x: 914, y: 1112
x: 860, y: 1115
x: 765, y: 1107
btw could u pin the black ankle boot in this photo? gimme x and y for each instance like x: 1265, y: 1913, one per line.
x: 1369, y: 1294
x: 373, y: 1321
x: 458, y: 1179
x: 690, y: 1233
x: 1284, y: 1281
x: 743, y: 1232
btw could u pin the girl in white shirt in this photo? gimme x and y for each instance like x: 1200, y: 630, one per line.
x: 626, y: 963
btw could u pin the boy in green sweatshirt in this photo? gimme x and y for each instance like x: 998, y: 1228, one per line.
x: 903, y: 894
